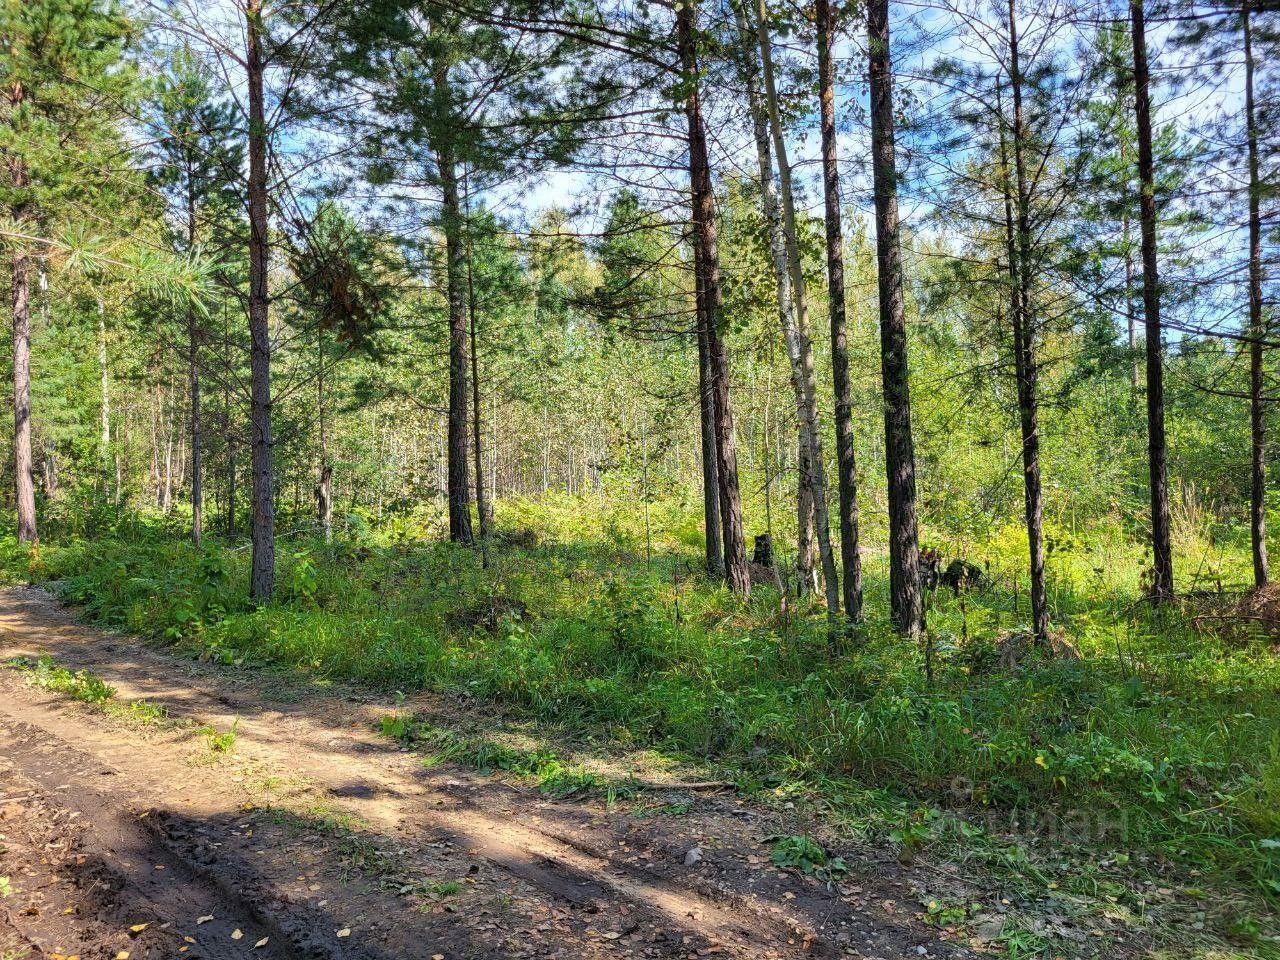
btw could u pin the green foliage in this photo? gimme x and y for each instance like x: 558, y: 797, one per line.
x: 806, y: 855
x: 1162, y: 731
x: 44, y: 672
x: 222, y: 741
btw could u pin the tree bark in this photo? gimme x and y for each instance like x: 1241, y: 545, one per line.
x: 813, y: 520
x: 324, y: 488
x: 704, y: 223
x: 459, y: 480
x: 1161, y: 544
x: 104, y: 408
x: 707, y: 420
x: 262, y: 575
x: 847, y: 470
x: 484, y: 509
x: 1024, y: 333
x: 906, y: 602
x: 1257, y: 327
x: 24, y: 485
x: 22, y: 460
x: 193, y: 374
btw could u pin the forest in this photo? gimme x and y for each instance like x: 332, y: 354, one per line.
x: 642, y: 478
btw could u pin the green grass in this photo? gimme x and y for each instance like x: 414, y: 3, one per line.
x: 87, y: 687
x: 488, y: 754
x: 44, y: 672
x: 1159, y: 749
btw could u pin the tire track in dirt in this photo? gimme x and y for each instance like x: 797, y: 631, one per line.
x: 149, y: 882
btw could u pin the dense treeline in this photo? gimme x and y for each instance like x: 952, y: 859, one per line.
x: 859, y: 277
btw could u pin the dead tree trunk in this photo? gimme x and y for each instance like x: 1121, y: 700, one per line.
x: 262, y: 575
x: 704, y: 224
x: 1161, y: 542
x: 906, y: 602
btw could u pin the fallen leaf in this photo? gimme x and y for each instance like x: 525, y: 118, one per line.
x: 344, y: 932
x: 200, y: 920
x: 122, y: 955
x: 261, y: 943
x: 138, y: 928
x: 236, y: 934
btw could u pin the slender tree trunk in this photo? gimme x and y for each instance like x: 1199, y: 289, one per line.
x: 324, y: 488
x: 24, y: 485
x: 262, y: 576
x: 906, y: 603
x: 193, y: 374
x: 1161, y: 544
x: 231, y: 440
x: 814, y: 522
x: 1024, y: 333
x: 156, y: 489
x: 166, y: 420
x: 847, y: 470
x: 806, y: 524
x: 104, y: 408
x: 704, y: 223
x: 707, y: 420
x: 484, y: 509
x: 22, y: 460
x: 1257, y: 324
x: 459, y: 482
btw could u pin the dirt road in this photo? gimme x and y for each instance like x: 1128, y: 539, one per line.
x: 312, y: 836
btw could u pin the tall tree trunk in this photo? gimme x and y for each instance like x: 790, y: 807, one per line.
x: 1257, y: 328
x: 1024, y: 334
x: 812, y: 512
x: 227, y: 428
x: 156, y: 490
x: 906, y: 602
x: 459, y: 480
x: 324, y: 488
x: 262, y: 575
x: 104, y: 407
x: 704, y: 223
x: 707, y: 420
x: 197, y: 466
x: 193, y: 375
x: 24, y: 485
x: 847, y: 469
x: 167, y: 421
x: 484, y: 509
x: 1161, y: 544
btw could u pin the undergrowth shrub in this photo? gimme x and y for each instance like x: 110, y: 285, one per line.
x: 572, y: 625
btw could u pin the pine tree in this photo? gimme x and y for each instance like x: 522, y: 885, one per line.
x: 198, y: 159
x: 64, y: 81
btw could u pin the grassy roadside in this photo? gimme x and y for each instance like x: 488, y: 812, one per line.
x: 1153, y: 760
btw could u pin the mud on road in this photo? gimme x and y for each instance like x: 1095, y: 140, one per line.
x: 311, y: 836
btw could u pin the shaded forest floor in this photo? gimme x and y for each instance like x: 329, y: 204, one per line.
x: 579, y: 745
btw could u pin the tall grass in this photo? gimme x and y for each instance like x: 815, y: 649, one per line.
x: 569, y: 622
